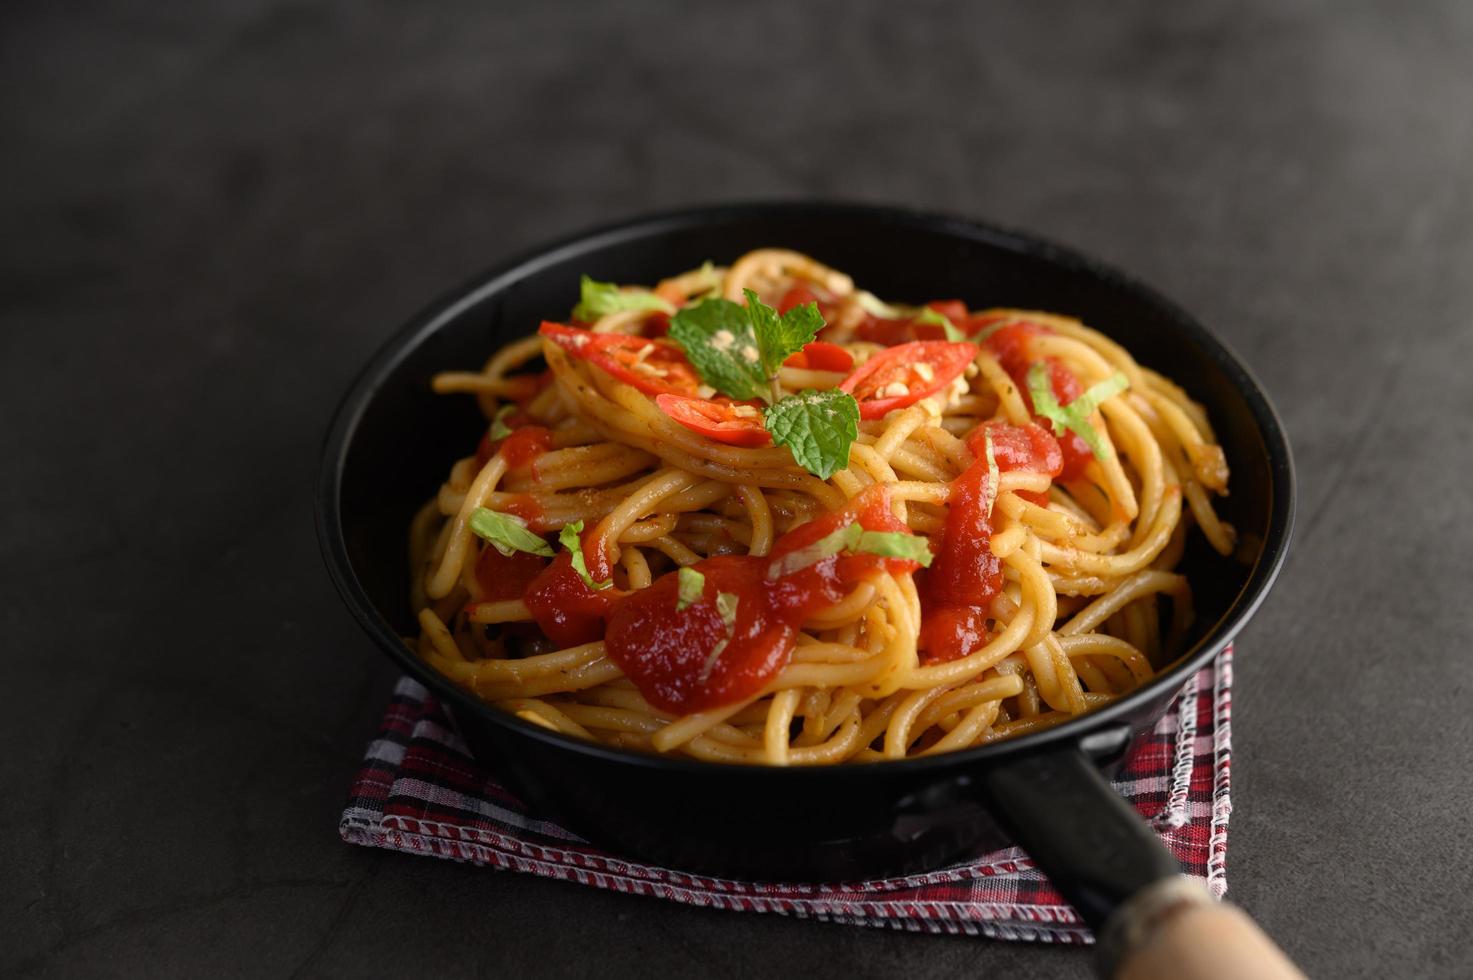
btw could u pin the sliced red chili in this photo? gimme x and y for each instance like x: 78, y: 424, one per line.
x: 904, y: 375
x: 733, y: 423
x: 820, y: 355
x: 653, y: 365
x: 797, y: 296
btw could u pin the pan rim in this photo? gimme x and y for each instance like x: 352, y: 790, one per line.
x: 368, y: 381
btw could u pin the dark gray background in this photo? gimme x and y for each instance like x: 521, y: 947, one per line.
x: 213, y: 212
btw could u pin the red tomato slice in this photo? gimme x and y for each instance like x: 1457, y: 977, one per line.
x: 904, y: 375
x: 722, y: 421
x: 820, y: 355
x: 660, y: 369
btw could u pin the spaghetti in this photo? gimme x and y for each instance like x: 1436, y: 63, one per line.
x: 927, y: 529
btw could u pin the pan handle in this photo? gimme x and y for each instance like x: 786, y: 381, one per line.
x: 1151, y: 921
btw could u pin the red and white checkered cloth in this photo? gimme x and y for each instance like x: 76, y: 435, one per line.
x: 419, y: 791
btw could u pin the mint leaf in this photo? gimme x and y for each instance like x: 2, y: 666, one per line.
x: 894, y: 544
x: 499, y: 428
x: 1073, y: 417
x: 817, y: 427
x: 507, y: 533
x: 691, y: 585
x: 738, y: 349
x: 596, y: 299
x: 570, y: 537
x: 719, y: 341
x: 928, y: 315
x: 779, y: 337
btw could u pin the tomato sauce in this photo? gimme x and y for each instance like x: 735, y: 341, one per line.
x: 958, y: 589
x: 525, y: 506
x: 524, y: 445
x: 891, y: 333
x: 522, y: 388
x: 569, y: 612
x: 657, y: 324
x: 1010, y: 346
x: 669, y: 654
x: 503, y: 577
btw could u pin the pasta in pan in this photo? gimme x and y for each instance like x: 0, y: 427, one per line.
x: 757, y: 515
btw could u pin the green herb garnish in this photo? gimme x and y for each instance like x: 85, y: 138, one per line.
x: 928, y: 315
x: 1073, y: 417
x: 596, y: 299
x: 738, y: 350
x: 894, y: 544
x: 570, y: 538
x: 855, y: 539
x: 726, y: 606
x: 507, y: 533
x: 691, y: 584
x: 817, y: 426
x: 499, y: 428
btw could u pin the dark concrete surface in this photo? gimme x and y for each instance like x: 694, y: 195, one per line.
x: 213, y: 212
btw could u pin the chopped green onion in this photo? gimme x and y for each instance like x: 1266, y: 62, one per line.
x: 690, y: 584
x: 1073, y: 417
x: 825, y: 547
x: 596, y: 299
x: 499, y: 428
x: 507, y: 533
x: 726, y: 605
x: 875, y: 306
x: 991, y: 329
x: 570, y: 538
x: 894, y: 544
x: 854, y: 538
x: 928, y: 315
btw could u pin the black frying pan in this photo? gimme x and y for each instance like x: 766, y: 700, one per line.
x: 393, y: 440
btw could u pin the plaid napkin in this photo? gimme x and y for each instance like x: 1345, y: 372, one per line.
x: 419, y: 791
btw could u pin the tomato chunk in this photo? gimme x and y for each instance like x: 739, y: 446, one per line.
x: 525, y: 443
x: 506, y: 576
x: 691, y: 660
x: 958, y: 589
x: 568, y: 611
x: 734, y: 423
x: 891, y: 332
x: 673, y: 657
x: 904, y: 375
x: 653, y: 365
x: 1010, y: 345
x: 1028, y: 447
